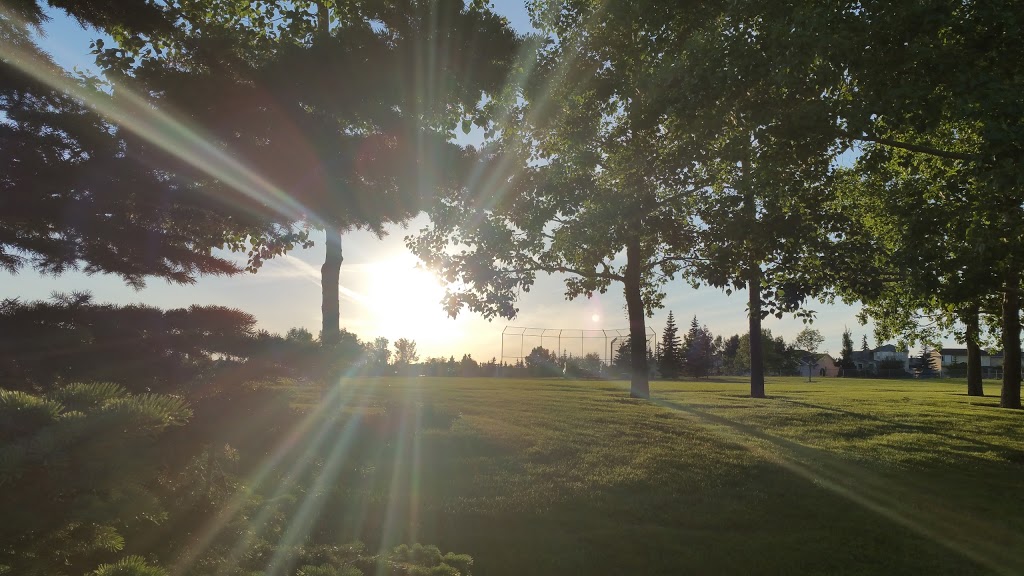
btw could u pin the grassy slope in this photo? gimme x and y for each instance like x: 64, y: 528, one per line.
x: 561, y: 477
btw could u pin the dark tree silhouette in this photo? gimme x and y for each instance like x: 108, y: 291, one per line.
x: 670, y: 360
x: 697, y: 350
x: 272, y: 87
x: 926, y: 363
x: 846, y: 357
x: 80, y: 192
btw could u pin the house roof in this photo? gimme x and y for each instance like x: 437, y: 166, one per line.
x: 963, y: 352
x: 886, y: 348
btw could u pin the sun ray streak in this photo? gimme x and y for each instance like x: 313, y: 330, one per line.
x: 337, y: 397
x: 494, y: 183
x: 904, y: 506
x: 298, y: 268
x: 311, y: 447
x: 175, y: 136
x: 390, y: 535
x: 312, y: 504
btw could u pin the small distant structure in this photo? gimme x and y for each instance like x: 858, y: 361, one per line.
x: 952, y: 363
x: 825, y: 365
x: 518, y: 341
x: 817, y: 364
x: 884, y: 360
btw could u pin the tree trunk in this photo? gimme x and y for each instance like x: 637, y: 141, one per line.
x: 974, y: 386
x: 330, y: 272
x: 639, y: 387
x: 754, y: 303
x: 756, y: 353
x: 323, y: 20
x: 330, y: 279
x: 1010, y: 394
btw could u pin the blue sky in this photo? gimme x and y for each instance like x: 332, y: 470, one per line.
x: 384, y: 295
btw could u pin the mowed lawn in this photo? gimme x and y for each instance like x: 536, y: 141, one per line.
x: 573, y: 477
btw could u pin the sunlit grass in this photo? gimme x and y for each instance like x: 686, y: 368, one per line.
x: 555, y: 477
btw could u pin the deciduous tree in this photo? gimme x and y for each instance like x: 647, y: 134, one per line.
x: 808, y: 341
x: 577, y: 184
x: 405, y: 352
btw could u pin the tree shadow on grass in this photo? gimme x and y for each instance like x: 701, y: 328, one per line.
x: 918, y: 503
x: 1009, y: 454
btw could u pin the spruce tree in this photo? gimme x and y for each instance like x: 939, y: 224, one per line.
x: 697, y: 350
x: 927, y: 363
x: 81, y: 475
x: 846, y: 359
x: 670, y: 360
x: 622, y: 355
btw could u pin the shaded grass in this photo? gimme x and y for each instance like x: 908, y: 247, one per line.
x: 556, y: 477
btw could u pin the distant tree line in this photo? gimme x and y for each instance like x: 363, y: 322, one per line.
x: 698, y: 354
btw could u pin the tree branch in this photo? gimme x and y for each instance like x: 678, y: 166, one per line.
x: 538, y: 267
x: 910, y: 147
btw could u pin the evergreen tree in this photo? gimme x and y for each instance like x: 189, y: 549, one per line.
x: 268, y: 83
x: 468, y: 367
x: 670, y: 359
x: 846, y: 359
x: 81, y: 472
x: 63, y: 153
x: 697, y: 350
x: 927, y: 364
x: 71, y: 338
x: 622, y: 355
x: 864, y: 343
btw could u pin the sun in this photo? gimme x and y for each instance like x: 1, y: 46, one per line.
x: 405, y: 301
x: 595, y: 318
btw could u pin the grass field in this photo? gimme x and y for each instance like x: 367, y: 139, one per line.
x: 565, y: 477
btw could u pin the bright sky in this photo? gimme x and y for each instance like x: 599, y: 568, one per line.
x: 384, y: 294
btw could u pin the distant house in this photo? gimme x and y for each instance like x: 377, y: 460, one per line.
x: 884, y: 360
x: 863, y: 360
x: 950, y: 356
x: 826, y: 365
x: 953, y: 362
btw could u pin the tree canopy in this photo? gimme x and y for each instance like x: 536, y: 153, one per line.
x: 80, y: 192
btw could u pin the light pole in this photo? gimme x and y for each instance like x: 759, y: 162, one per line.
x: 611, y: 353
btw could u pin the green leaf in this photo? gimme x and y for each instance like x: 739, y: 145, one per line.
x: 130, y: 566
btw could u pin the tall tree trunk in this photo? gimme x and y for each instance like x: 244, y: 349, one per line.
x: 1010, y: 394
x: 754, y: 302
x: 330, y: 272
x: 330, y: 279
x: 756, y: 352
x: 639, y: 386
x: 323, y: 20
x: 974, y: 386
